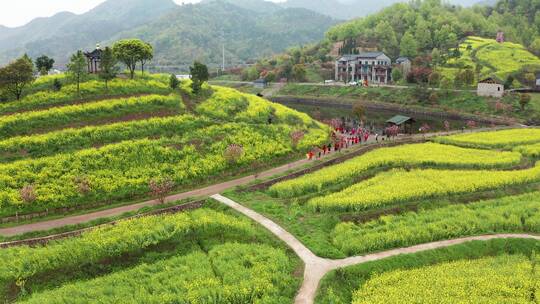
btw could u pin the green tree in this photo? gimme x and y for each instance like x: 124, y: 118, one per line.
x: 173, y: 82
x: 408, y: 46
x: 468, y: 77
x: 530, y: 79
x: 436, y: 57
x: 270, y: 77
x: 535, y: 46
x: 387, y: 37
x: 423, y: 34
x: 146, y: 55
x: 509, y: 82
x: 44, y: 64
x: 299, y: 72
x: 524, y: 100
x: 108, y: 66
x: 130, y: 52
x: 77, y: 69
x: 199, y: 75
x: 16, y: 76
x: 397, y: 75
x: 434, y: 79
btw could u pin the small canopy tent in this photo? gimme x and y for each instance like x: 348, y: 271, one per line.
x: 404, y: 123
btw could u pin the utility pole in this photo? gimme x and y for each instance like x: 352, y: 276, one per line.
x: 223, y: 51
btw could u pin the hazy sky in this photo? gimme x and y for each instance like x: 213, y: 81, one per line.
x: 20, y: 12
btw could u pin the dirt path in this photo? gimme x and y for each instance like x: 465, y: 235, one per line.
x: 316, y: 267
x: 207, y: 191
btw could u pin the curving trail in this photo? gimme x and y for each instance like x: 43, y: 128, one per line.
x: 316, y: 267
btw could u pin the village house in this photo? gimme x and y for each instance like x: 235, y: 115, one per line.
x: 489, y: 87
x: 370, y: 67
x: 404, y: 64
x: 94, y: 60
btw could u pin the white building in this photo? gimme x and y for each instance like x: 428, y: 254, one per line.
x: 371, y: 67
x: 489, y: 87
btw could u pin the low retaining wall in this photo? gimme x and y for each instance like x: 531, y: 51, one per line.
x: 45, y: 240
x: 389, y: 107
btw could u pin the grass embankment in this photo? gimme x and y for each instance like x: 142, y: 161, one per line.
x: 449, y: 101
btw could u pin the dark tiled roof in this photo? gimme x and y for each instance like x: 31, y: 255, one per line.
x: 399, y: 119
x: 368, y: 55
x: 489, y: 80
x: 402, y: 59
x: 94, y: 54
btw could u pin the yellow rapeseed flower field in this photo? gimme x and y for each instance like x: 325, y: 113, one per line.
x: 427, y: 154
x: 399, y: 185
x: 502, y: 279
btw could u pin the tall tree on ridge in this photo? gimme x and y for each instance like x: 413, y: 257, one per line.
x: 108, y: 66
x: 16, y: 76
x: 77, y: 69
x: 131, y: 51
x: 199, y: 75
x: 146, y: 55
x: 44, y: 64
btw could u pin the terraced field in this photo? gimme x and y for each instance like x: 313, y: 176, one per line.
x: 58, y: 150
x: 457, y: 186
x: 204, y: 256
x: 491, y: 57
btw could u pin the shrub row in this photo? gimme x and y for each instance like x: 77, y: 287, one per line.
x: 30, y: 122
x: 428, y: 154
x: 399, y: 186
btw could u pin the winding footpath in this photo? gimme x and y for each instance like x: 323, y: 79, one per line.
x: 206, y: 191
x: 316, y: 267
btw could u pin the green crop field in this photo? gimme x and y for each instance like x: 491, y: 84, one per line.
x: 410, y: 194
x: 493, y: 58
x: 496, y: 271
x: 58, y: 150
x: 204, y: 256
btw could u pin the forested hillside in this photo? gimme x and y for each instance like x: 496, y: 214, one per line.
x: 424, y: 25
x: 199, y: 31
x: 59, y: 36
x: 428, y: 29
x: 180, y: 33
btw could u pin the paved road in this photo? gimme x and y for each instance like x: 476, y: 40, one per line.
x: 316, y: 267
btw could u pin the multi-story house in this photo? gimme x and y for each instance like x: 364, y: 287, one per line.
x: 373, y: 67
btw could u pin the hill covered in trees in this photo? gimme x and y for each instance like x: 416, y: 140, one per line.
x: 199, y: 31
x: 429, y: 30
x: 181, y: 33
x: 348, y: 9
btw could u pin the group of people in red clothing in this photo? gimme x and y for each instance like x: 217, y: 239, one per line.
x: 341, y: 139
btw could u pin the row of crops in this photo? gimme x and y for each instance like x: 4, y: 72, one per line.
x: 27, y: 123
x: 99, y: 152
x: 500, y: 279
x: 398, y: 186
x: 45, y: 97
x: 428, y: 154
x: 463, y: 185
x: 203, y: 256
x: 123, y: 170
